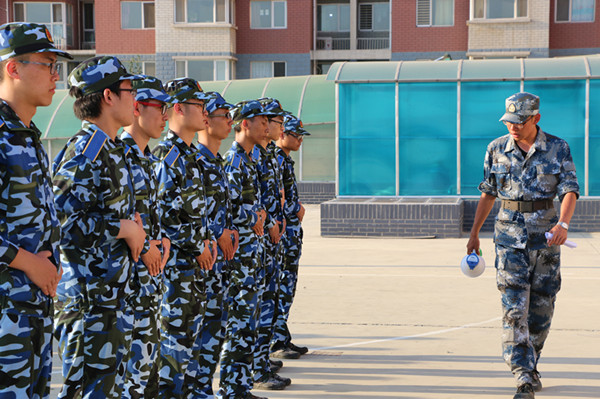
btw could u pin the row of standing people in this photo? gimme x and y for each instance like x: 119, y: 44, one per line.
x: 164, y: 263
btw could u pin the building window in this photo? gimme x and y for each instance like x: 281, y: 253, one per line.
x: 374, y: 17
x: 268, y: 14
x: 435, y: 12
x: 203, y: 11
x: 149, y: 68
x: 575, y: 10
x: 267, y: 69
x: 58, y: 17
x: 333, y: 18
x: 89, y: 35
x: 491, y: 9
x: 137, y: 14
x: 203, y: 70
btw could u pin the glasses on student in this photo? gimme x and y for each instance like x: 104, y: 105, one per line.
x: 278, y: 122
x: 132, y: 91
x: 163, y: 107
x: 55, y: 67
x: 298, y: 137
x: 225, y: 115
x: 518, y: 125
x: 201, y: 105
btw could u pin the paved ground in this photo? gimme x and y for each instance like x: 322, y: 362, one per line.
x: 395, y: 318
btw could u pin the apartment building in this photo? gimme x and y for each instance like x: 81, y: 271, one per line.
x: 240, y: 39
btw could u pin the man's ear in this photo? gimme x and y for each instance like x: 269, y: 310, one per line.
x: 11, y: 69
x: 107, y: 95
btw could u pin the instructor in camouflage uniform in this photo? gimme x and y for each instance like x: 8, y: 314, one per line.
x: 526, y: 169
x: 29, y: 226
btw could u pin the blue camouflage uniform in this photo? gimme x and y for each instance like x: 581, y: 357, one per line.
x: 243, y: 291
x: 28, y: 221
x: 528, y: 270
x: 182, y: 197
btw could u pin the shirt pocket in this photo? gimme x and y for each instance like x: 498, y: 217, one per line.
x: 548, y: 177
x: 501, y: 173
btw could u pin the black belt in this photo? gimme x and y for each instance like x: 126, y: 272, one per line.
x: 527, y: 206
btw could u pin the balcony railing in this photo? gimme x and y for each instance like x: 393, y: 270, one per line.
x: 332, y: 43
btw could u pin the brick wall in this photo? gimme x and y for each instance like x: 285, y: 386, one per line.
x: 296, y: 64
x: 111, y: 39
x: 582, y: 35
x: 316, y: 192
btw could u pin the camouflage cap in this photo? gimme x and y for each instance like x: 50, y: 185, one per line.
x: 184, y: 89
x: 520, y: 106
x: 24, y: 38
x: 273, y: 107
x: 215, y: 102
x: 294, y: 125
x: 150, y: 88
x: 246, y: 110
x: 96, y: 74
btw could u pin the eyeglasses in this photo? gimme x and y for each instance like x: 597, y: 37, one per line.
x: 225, y: 115
x: 132, y: 91
x: 201, y: 105
x: 298, y: 137
x: 55, y: 67
x: 518, y: 125
x: 280, y: 123
x: 163, y: 107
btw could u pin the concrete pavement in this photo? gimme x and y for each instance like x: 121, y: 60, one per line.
x: 395, y: 318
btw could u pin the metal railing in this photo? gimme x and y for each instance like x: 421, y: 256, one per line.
x: 373, y: 43
x: 332, y: 43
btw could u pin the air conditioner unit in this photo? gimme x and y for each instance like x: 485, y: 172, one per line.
x: 328, y: 43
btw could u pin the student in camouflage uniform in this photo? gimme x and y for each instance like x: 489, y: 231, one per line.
x: 150, y: 118
x: 291, y: 140
x: 185, y: 223
x: 221, y: 224
x: 271, y: 196
x: 102, y: 233
x: 29, y: 226
x: 526, y: 169
x: 248, y: 218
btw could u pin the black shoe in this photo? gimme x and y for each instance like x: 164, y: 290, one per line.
x: 269, y: 382
x: 300, y: 349
x: 525, y: 391
x: 275, y: 362
x: 285, y: 380
x: 285, y: 353
x: 536, y: 383
x: 274, y: 368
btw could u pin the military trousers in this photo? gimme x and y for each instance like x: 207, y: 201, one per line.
x: 240, y: 331
x: 528, y: 281
x: 288, y: 279
x: 141, y: 379
x: 182, y: 311
x: 268, y: 308
x: 25, y: 352
x: 94, y: 344
x: 212, y: 332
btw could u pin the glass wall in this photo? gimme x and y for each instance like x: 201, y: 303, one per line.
x: 594, y: 150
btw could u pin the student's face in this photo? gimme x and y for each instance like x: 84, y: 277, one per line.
x: 219, y: 123
x: 151, y: 119
x: 275, y: 127
x: 292, y: 141
x: 195, y: 114
x: 258, y: 127
x: 123, y: 103
x: 36, y: 80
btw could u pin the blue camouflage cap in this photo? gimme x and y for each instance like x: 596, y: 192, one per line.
x: 96, y: 74
x: 521, y: 106
x: 24, y: 38
x: 183, y: 89
x: 293, y: 124
x: 273, y: 107
x: 246, y: 110
x: 215, y: 102
x: 150, y: 88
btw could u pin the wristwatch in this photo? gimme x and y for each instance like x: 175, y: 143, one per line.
x: 563, y: 225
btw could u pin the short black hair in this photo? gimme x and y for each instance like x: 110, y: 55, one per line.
x: 89, y: 106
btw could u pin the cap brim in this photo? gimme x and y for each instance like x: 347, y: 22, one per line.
x: 56, y: 51
x: 161, y: 97
x: 132, y: 77
x: 513, y: 118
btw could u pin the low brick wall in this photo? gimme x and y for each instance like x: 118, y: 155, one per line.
x: 392, y: 217
x: 316, y: 192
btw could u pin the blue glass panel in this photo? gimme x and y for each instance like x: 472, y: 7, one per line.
x: 482, y: 105
x: 367, y: 139
x: 594, y: 178
x: 427, y: 145
x: 562, y: 106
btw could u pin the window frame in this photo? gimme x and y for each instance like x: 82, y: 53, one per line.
x: 272, y: 63
x: 338, y: 5
x: 272, y: 15
x: 487, y: 18
x: 229, y: 14
x: 64, y: 15
x: 372, y: 17
x: 227, y: 63
x: 570, y: 21
x: 143, y: 14
x: 431, y: 25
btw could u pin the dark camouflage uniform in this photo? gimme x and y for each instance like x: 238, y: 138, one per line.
x: 270, y: 181
x: 142, y: 368
x: 93, y: 191
x: 213, y: 327
x: 28, y: 220
x: 528, y: 271
x: 182, y: 197
x: 242, y: 298
x: 292, y: 249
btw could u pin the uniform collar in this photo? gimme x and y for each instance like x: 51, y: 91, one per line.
x: 130, y: 141
x: 538, y: 145
x: 9, y: 117
x: 182, y: 145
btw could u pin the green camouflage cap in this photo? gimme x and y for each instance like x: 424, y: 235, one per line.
x: 19, y: 38
x: 246, y: 110
x: 150, y: 88
x: 98, y: 73
x: 184, y: 89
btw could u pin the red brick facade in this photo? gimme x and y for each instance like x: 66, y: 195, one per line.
x: 565, y: 35
x: 111, y: 39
